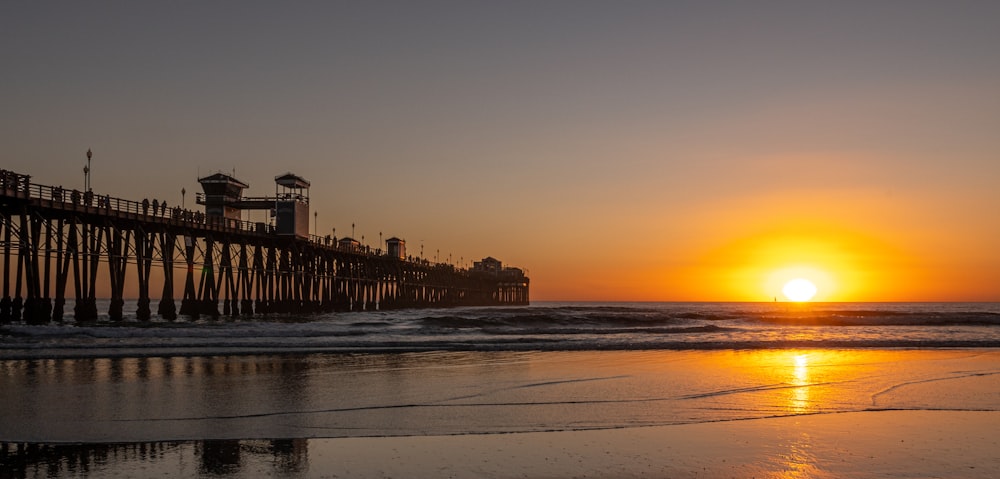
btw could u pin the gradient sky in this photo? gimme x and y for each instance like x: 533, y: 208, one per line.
x: 616, y: 150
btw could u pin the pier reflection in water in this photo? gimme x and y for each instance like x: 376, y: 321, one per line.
x: 247, y: 458
x: 141, y: 399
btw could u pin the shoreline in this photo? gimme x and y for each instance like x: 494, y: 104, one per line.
x: 129, y: 352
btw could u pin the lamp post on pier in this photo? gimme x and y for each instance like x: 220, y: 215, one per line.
x: 183, y: 191
x: 86, y: 171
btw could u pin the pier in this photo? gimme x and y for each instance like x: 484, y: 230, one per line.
x: 59, y: 243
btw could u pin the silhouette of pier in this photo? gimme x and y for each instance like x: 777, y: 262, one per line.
x: 210, y: 457
x: 58, y: 243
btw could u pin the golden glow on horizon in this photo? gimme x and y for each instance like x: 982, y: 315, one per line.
x: 842, y: 263
x: 799, y: 290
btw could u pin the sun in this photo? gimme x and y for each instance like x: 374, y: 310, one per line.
x: 799, y: 290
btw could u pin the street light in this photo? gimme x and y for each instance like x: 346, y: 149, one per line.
x: 183, y: 191
x: 315, y: 222
x: 86, y: 171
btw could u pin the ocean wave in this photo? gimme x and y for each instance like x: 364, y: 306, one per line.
x: 570, y: 327
x: 547, y: 320
x: 883, y: 318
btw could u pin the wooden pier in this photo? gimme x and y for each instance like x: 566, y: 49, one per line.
x: 58, y: 243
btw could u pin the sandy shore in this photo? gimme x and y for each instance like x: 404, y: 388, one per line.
x: 872, y: 444
x: 716, y: 414
x: 860, y: 445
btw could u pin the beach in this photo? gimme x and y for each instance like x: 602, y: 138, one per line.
x: 728, y: 413
x: 861, y: 445
x: 915, y: 444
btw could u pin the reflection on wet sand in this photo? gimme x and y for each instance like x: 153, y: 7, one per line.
x: 216, y: 458
x: 798, y: 460
x: 217, y: 415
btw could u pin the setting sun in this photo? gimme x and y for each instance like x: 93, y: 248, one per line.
x: 799, y: 289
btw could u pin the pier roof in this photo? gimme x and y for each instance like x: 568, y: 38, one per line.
x: 289, y: 180
x: 222, y: 178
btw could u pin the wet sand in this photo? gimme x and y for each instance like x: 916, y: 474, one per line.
x: 916, y: 444
x: 860, y: 445
x: 768, y: 413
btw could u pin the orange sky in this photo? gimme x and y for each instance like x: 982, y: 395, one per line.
x: 649, y: 151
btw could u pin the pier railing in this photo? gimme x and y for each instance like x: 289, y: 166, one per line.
x: 19, y: 186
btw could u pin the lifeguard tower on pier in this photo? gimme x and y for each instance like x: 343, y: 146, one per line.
x: 291, y: 205
x: 396, y: 248
x: 223, y: 198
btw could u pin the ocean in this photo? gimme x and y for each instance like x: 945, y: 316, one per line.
x: 526, y: 388
x: 538, y: 327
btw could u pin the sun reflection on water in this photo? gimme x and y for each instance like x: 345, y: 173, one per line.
x: 799, y: 401
x: 798, y: 460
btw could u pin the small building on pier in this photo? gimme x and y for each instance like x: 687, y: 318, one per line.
x: 489, y: 264
x: 495, y: 267
x: 395, y: 248
x: 291, y: 205
x: 222, y: 194
x: 349, y: 244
